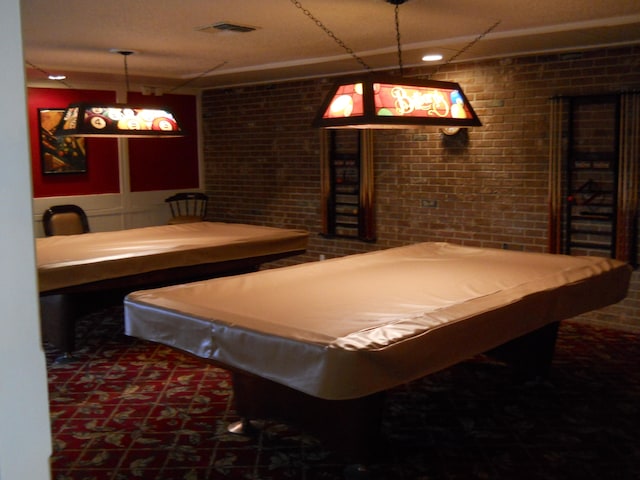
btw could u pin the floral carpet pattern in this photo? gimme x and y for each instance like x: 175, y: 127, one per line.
x: 129, y: 409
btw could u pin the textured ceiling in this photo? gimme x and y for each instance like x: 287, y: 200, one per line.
x: 75, y: 37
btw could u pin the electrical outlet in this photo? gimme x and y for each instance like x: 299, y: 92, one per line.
x: 429, y: 203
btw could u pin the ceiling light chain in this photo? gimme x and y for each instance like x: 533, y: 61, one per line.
x: 397, y: 11
x: 206, y: 72
x: 35, y: 67
x: 125, y: 54
x: 465, y: 48
x: 330, y: 34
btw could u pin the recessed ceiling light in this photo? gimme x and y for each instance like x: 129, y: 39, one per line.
x: 57, y: 77
x: 432, y: 57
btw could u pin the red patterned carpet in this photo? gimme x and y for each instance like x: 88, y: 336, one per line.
x: 128, y: 409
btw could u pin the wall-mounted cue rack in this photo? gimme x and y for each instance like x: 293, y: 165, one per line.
x: 594, y: 175
x: 347, y: 184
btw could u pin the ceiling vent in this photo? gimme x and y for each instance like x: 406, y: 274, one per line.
x: 226, y: 27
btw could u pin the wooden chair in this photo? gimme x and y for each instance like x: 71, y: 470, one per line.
x: 187, y: 207
x: 65, y: 220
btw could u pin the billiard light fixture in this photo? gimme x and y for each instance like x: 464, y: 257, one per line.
x: 375, y: 101
x: 117, y: 120
x: 92, y: 119
x: 382, y: 101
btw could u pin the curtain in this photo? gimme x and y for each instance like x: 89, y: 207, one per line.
x: 628, y: 177
x: 555, y: 200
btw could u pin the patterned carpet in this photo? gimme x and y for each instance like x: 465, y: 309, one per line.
x: 129, y: 409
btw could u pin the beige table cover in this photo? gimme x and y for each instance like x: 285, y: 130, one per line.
x: 69, y: 260
x: 352, y: 326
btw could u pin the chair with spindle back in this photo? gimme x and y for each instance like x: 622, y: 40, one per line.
x: 187, y: 207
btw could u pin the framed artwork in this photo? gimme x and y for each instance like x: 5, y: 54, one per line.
x: 59, y: 154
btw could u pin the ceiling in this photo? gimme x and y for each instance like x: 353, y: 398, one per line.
x: 174, y: 50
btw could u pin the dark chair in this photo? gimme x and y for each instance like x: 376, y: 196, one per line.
x: 187, y: 207
x: 65, y: 220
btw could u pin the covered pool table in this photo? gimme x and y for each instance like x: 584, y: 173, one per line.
x: 73, y: 267
x: 319, y: 343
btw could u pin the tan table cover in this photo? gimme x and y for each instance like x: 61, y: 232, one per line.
x: 65, y: 261
x: 352, y: 326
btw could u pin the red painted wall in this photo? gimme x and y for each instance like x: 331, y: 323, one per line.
x: 168, y: 163
x: 102, y: 153
x: 155, y: 164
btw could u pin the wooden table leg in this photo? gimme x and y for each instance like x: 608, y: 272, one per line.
x: 352, y: 427
x: 58, y: 315
x: 532, y: 354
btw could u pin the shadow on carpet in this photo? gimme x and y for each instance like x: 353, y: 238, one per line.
x: 127, y: 409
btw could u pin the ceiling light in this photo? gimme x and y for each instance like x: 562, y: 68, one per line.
x: 377, y: 101
x: 374, y: 101
x: 90, y: 119
x: 433, y: 57
x: 117, y: 120
x: 57, y: 77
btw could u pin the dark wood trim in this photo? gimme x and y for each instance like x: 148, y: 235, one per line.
x: 61, y: 307
x: 170, y: 276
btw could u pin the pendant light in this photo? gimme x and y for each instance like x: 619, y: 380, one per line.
x: 383, y: 101
x: 118, y: 120
x: 376, y: 101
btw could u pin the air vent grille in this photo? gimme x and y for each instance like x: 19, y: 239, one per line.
x: 226, y: 27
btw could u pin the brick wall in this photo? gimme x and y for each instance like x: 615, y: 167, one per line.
x: 262, y: 159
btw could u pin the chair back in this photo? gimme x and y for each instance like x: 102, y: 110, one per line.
x: 65, y: 220
x: 187, y: 207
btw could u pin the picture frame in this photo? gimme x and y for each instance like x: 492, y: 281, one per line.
x: 59, y: 155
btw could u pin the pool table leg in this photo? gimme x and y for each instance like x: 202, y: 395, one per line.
x: 352, y: 427
x: 530, y: 355
x: 58, y: 315
x: 244, y: 426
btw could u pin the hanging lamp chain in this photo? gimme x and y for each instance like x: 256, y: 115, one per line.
x: 397, y: 4
x: 332, y: 35
x: 397, y: 18
x: 47, y: 74
x: 466, y: 47
x: 125, y: 54
x: 191, y: 80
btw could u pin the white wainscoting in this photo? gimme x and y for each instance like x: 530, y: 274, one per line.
x: 111, y: 211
